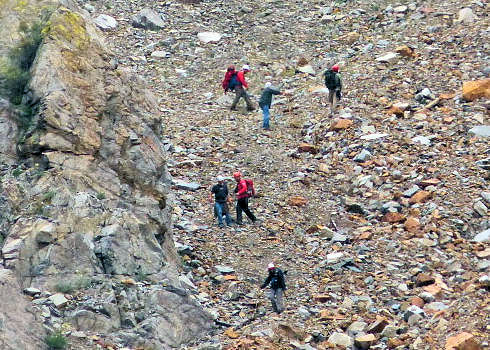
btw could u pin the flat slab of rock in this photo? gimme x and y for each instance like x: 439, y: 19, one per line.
x: 483, y: 236
x: 481, y: 130
x: 148, y: 19
x: 342, y: 339
x: 184, y: 185
x: 224, y: 269
x: 58, y: 299
x: 389, y: 57
x: 105, y: 22
x: 209, y: 37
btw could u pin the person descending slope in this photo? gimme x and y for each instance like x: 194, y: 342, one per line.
x: 333, y: 83
x: 265, y: 103
x: 244, y: 190
x: 240, y: 89
x: 277, y: 283
x: 220, y: 191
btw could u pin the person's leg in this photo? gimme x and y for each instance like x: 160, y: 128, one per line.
x: 330, y: 98
x: 334, y: 101
x: 247, y: 210
x: 226, y: 211
x: 279, y: 300
x: 219, y: 212
x: 246, y: 97
x: 239, y: 212
x: 272, y: 297
x: 266, y: 117
x: 238, y: 94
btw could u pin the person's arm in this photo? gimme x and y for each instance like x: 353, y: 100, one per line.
x: 282, y: 280
x: 266, y: 282
x: 242, y: 187
x: 276, y: 92
x: 211, y: 195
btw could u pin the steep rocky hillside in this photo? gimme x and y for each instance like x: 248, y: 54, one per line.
x: 380, y: 213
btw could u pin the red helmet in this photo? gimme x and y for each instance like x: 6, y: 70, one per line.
x: 237, y: 174
x: 335, y: 67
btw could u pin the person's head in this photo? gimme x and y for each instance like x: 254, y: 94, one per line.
x: 237, y: 175
x: 271, y: 266
x: 231, y: 68
x: 267, y: 85
x: 220, y: 179
x: 335, y: 68
x: 246, y: 68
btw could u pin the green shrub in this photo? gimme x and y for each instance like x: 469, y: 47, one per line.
x: 48, y: 196
x: 16, y: 172
x: 70, y: 286
x: 100, y: 195
x: 56, y: 341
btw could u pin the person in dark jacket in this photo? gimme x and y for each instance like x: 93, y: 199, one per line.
x: 265, y: 103
x: 242, y: 199
x: 333, y: 82
x: 220, y: 191
x: 278, y: 285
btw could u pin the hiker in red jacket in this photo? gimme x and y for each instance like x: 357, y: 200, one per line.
x: 240, y: 90
x: 242, y: 196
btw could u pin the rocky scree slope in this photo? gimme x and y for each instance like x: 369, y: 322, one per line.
x: 387, y: 237
x: 85, y: 223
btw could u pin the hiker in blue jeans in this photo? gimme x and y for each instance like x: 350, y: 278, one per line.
x: 220, y: 191
x: 265, y: 103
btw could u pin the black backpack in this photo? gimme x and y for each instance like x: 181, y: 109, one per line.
x: 332, y: 81
x: 233, y: 83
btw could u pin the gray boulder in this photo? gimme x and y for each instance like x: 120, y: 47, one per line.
x: 148, y: 19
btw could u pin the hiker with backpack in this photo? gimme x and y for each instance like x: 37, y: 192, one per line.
x: 265, y: 103
x: 221, y: 198
x: 240, y: 85
x: 277, y: 283
x: 333, y: 83
x: 244, y: 190
x: 230, y: 73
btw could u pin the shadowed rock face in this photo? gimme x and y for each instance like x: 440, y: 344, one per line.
x: 91, y: 203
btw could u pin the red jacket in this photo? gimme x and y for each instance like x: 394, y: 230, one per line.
x: 241, y: 78
x: 241, y: 189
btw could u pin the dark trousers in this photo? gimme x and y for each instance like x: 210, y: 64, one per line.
x: 242, y: 205
x: 239, y: 93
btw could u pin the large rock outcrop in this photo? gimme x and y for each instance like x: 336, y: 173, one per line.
x: 87, y: 208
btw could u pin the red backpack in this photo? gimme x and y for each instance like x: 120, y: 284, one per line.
x: 230, y: 73
x: 250, y: 188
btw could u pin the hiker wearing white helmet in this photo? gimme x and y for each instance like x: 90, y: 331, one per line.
x: 277, y: 283
x: 265, y: 103
x: 240, y: 89
x: 221, y: 198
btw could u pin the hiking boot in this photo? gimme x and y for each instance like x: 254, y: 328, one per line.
x: 221, y: 225
x: 240, y: 223
x: 232, y: 108
x: 250, y: 109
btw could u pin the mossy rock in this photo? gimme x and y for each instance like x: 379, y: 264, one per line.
x: 68, y: 27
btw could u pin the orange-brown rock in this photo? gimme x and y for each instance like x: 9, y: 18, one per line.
x: 412, y: 224
x: 417, y: 301
x: 323, y: 167
x: 429, y: 182
x: 405, y: 51
x: 424, y: 279
x: 476, y: 89
x: 393, y: 217
x: 230, y: 333
x: 462, y: 341
x: 378, y: 325
x: 297, y: 201
x: 395, y: 342
x: 340, y: 124
x: 322, y: 298
x: 306, y: 147
x: 364, y: 341
x: 419, y: 197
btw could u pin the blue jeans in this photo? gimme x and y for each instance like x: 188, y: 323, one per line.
x: 266, y: 116
x: 220, y: 210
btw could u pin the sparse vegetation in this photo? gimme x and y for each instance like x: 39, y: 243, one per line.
x: 101, y: 196
x: 70, y: 286
x: 17, y: 172
x: 48, y: 196
x: 56, y: 341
